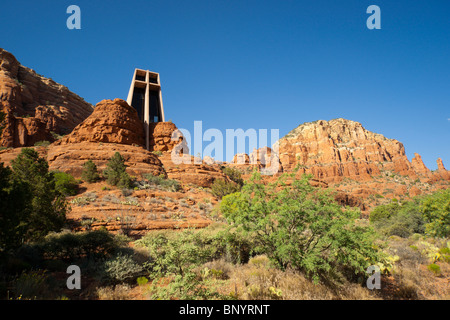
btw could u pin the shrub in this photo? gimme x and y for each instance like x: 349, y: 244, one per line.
x: 234, y: 175
x: 90, y: 173
x: 427, y: 214
x: 399, y: 219
x: 31, y: 285
x: 121, y: 268
x: 65, y: 183
x: 42, y: 143
x: 220, y: 188
x: 142, y: 281
x: 168, y: 184
x: 300, y: 227
x: 69, y: 246
x: 434, y: 268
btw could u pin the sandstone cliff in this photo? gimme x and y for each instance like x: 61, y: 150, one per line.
x: 35, y: 105
x: 332, y: 150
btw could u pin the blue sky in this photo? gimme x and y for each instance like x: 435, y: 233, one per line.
x: 254, y: 64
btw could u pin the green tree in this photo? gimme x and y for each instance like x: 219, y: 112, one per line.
x: 436, y: 211
x: 398, y: 218
x: 48, y: 205
x: 115, y: 172
x: 90, y: 172
x: 15, y: 203
x: 301, y: 227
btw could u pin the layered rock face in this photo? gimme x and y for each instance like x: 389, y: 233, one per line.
x: 113, y: 121
x: 164, y: 136
x: 71, y: 157
x: 24, y: 94
x: 331, y: 150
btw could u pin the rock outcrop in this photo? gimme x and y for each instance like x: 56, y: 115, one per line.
x: 332, y: 150
x: 113, y: 121
x: 165, y: 136
x: 24, y: 94
x: 418, y: 165
x: 71, y: 157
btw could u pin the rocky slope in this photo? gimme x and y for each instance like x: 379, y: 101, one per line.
x: 35, y: 105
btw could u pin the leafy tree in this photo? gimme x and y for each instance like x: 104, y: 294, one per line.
x: 90, y: 172
x: 436, y: 211
x: 15, y: 203
x: 398, y: 218
x: 301, y: 227
x: 115, y: 172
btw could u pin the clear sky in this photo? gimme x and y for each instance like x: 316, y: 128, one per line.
x: 254, y: 64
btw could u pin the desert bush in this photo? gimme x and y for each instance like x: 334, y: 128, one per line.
x: 42, y: 143
x: 65, y: 183
x: 120, y: 268
x: 234, y: 175
x: 162, y: 181
x: 90, y: 172
x: 428, y: 214
x: 70, y: 246
x: 301, y: 227
x: 220, y: 188
x: 116, y: 292
x: 31, y: 285
x: 434, y: 268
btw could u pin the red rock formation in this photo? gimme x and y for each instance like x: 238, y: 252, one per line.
x: 418, y: 165
x: 331, y: 150
x: 26, y: 94
x: 189, y: 171
x: 113, y: 121
x: 440, y: 165
x: 163, y: 137
x: 71, y: 157
x: 441, y: 174
x: 24, y: 131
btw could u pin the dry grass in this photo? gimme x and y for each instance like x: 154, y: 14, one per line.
x: 119, y: 292
x: 258, y: 280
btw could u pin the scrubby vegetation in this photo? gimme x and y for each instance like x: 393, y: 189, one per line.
x: 65, y: 183
x: 280, y: 240
x: 428, y: 214
x: 159, y: 181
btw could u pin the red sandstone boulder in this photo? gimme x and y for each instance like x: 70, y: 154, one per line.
x: 113, y: 121
x: 165, y: 136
